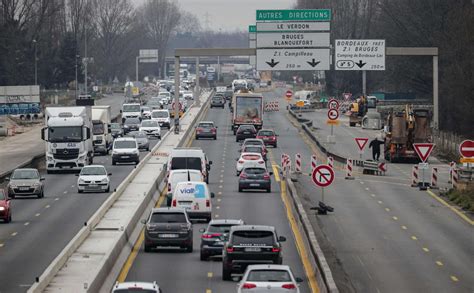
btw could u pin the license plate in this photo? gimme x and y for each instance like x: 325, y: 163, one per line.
x: 246, y: 132
x: 168, y: 235
x: 93, y: 185
x: 24, y: 188
x: 254, y: 184
x: 253, y: 249
x: 125, y: 157
x: 219, y: 243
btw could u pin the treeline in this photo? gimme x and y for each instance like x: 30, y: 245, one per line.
x: 446, y: 24
x: 114, y: 31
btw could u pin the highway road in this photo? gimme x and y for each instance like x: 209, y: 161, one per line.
x: 384, y: 235
x: 182, y: 272
x: 41, y: 228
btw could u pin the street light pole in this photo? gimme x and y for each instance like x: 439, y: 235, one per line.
x: 36, y: 63
x: 85, y: 62
x: 77, y: 85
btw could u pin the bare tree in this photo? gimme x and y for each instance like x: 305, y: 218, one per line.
x: 161, y: 18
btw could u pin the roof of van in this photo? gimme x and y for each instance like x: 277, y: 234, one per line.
x: 191, y: 183
x: 187, y: 152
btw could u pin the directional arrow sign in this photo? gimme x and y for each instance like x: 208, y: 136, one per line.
x: 313, y: 63
x: 423, y: 150
x: 293, y: 59
x: 359, y: 55
x: 466, y: 148
x: 322, y: 175
x: 361, y: 142
x: 361, y: 64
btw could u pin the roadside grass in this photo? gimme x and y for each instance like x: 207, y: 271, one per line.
x: 464, y: 199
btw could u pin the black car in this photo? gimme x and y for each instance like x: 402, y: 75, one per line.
x: 206, y: 129
x: 214, y: 237
x: 131, y: 124
x: 116, y: 130
x: 168, y: 227
x: 255, y: 178
x: 218, y: 101
x: 245, y: 131
x: 250, y: 244
x: 228, y: 95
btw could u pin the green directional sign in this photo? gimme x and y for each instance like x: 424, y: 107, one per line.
x: 252, y: 28
x: 297, y: 14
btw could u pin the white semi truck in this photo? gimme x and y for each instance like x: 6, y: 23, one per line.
x: 68, y: 138
x: 102, y: 137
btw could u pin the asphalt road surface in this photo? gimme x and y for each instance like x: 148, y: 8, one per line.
x: 176, y: 271
x: 41, y: 228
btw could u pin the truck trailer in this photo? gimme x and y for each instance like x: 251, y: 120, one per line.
x: 102, y: 137
x: 67, y: 134
x: 248, y: 109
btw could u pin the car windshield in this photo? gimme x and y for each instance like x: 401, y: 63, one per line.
x: 253, y: 149
x: 131, y: 108
x: 221, y: 228
x: 252, y: 142
x: 269, y: 276
x: 93, y: 171
x: 134, y: 290
x: 159, y: 114
x: 168, y: 218
x: 255, y: 171
x: 115, y: 126
x: 98, y: 128
x: 137, y: 134
x: 2, y: 194
x: 178, y: 163
x: 255, y: 238
x: 25, y: 174
x: 145, y: 109
x: 266, y: 133
x: 149, y: 123
x: 247, y: 127
x: 132, y: 121
x: 65, y: 134
x: 125, y: 144
x: 206, y: 125
x: 153, y: 102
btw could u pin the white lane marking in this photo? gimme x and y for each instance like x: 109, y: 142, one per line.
x: 57, y: 198
x: 26, y: 224
x: 14, y: 234
x: 37, y: 215
x: 47, y: 206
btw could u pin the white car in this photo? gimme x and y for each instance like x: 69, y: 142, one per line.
x: 162, y: 116
x: 93, y: 178
x: 248, y: 160
x: 145, y: 287
x: 269, y: 278
x: 151, y: 128
x: 188, y: 95
x: 146, y: 112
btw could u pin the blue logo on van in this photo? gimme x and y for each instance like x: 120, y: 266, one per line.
x: 187, y: 190
x: 200, y: 191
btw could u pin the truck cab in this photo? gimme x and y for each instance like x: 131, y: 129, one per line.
x: 131, y: 110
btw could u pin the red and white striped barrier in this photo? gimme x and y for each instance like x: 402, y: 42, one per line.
x: 288, y: 165
x: 314, y: 163
x: 414, y: 176
x: 434, y: 178
x: 298, y: 163
x: 331, y: 162
x: 349, y: 168
x: 455, y: 180
x: 452, y: 165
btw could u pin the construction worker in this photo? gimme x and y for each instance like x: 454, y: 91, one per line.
x: 375, y: 145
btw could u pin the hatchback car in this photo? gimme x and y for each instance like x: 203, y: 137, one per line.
x: 141, y: 138
x: 249, y: 158
x: 136, y: 287
x: 218, y: 101
x: 146, y: 112
x: 245, y: 131
x: 168, y: 227
x: 214, y: 236
x: 154, y: 104
x: 206, y: 129
x: 268, y: 136
x: 269, y: 278
x: 25, y: 181
x: 255, y: 178
x: 151, y: 128
x: 255, y: 149
x: 131, y: 124
x: 5, y: 208
x: 116, y: 130
x: 93, y: 178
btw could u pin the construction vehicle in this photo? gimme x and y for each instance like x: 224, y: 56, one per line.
x: 402, y: 130
x: 359, y: 109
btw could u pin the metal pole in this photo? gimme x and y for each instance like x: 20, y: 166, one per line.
x: 218, y: 68
x: 435, y: 93
x: 77, y: 86
x: 36, y: 67
x: 322, y: 194
x: 196, y: 87
x: 85, y: 62
x: 364, y: 82
x: 136, y: 68
x: 176, y: 89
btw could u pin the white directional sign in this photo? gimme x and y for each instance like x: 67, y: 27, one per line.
x: 360, y: 54
x: 292, y: 40
x: 252, y: 43
x: 300, y: 26
x: 293, y: 59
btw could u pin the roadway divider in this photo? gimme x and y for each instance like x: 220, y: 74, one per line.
x: 316, y: 256
x: 86, y: 261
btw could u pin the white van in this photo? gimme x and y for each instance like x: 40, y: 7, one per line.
x: 195, y: 198
x: 162, y: 116
x: 189, y: 158
x: 177, y: 176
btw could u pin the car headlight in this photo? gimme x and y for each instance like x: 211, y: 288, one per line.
x: 125, y: 126
x: 2, y: 208
x: 12, y: 185
x: 49, y: 158
x: 80, y: 181
x: 137, y: 152
x: 37, y: 184
x: 105, y: 180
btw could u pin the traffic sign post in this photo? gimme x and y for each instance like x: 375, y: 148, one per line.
x: 466, y: 149
x: 360, y: 55
x: 323, y: 176
x: 361, y: 143
x: 423, y: 151
x: 333, y: 115
x: 333, y: 104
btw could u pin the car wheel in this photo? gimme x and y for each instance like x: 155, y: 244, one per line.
x: 148, y: 149
x: 280, y: 260
x: 114, y: 163
x: 234, y: 131
x: 197, y: 138
x: 207, y: 179
x: 189, y: 248
x: 226, y: 274
x: 12, y: 196
x: 203, y: 256
x: 147, y: 248
x: 236, y: 139
x: 137, y: 161
x: 240, y: 189
x: 79, y: 191
x: 41, y: 195
x: 215, y: 137
x: 9, y: 219
x: 108, y: 189
x: 275, y: 145
x: 168, y: 201
x: 269, y: 189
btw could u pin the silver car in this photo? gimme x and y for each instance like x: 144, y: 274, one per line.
x: 142, y: 139
x: 25, y: 181
x: 269, y: 278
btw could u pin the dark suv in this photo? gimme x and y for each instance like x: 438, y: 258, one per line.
x: 168, y: 227
x: 245, y: 131
x: 250, y: 244
x: 218, y: 101
x: 214, y: 236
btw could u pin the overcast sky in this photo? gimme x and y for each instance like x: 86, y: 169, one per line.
x: 229, y: 14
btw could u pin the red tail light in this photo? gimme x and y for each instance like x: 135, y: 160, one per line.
x: 288, y: 286
x: 208, y: 203
x: 208, y: 236
x: 276, y: 249
x: 248, y: 286
x: 169, y: 187
x: 230, y: 249
x: 199, y: 129
x: 174, y: 202
x: 213, y: 130
x: 243, y: 175
x: 266, y: 177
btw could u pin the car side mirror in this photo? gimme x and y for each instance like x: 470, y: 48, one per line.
x: 42, y: 178
x: 202, y: 230
x: 271, y: 173
x: 210, y: 162
x: 77, y: 175
x: 143, y: 221
x: 109, y: 174
x: 281, y: 239
x: 213, y: 195
x: 217, y: 127
x: 7, y: 179
x: 298, y: 280
x: 240, y: 151
x: 120, y: 111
